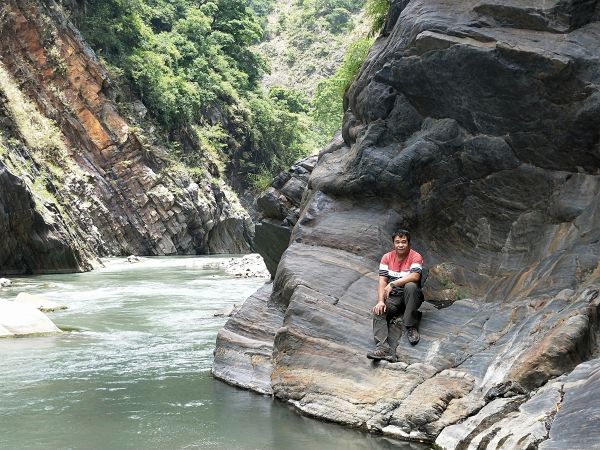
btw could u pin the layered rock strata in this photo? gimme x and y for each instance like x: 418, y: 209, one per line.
x: 117, y: 195
x: 474, y: 124
x: 245, y: 344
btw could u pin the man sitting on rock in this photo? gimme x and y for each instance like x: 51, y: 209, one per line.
x: 398, y: 294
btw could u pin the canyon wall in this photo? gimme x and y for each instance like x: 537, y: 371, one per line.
x: 80, y: 177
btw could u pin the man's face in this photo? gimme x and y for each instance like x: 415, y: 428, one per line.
x: 401, y: 245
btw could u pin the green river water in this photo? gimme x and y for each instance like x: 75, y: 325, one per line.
x: 133, y: 371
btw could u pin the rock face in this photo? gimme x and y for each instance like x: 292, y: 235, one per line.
x: 474, y: 124
x: 32, y: 239
x: 278, y: 209
x: 244, y: 346
x: 74, y: 169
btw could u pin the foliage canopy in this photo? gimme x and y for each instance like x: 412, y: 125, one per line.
x: 194, y: 65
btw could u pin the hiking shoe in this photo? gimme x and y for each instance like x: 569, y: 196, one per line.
x: 413, y: 335
x: 379, y: 354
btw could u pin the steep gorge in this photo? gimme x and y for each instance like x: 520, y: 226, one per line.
x: 475, y: 125
x: 77, y: 181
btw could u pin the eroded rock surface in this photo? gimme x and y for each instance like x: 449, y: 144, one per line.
x: 78, y: 172
x: 245, y: 344
x: 278, y: 210
x: 475, y: 125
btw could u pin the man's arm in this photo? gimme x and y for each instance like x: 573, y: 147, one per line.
x: 382, y: 295
x: 412, y: 277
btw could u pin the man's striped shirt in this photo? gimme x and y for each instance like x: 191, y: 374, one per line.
x: 395, y: 268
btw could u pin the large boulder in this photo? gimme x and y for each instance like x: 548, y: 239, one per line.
x: 475, y: 125
x: 18, y: 319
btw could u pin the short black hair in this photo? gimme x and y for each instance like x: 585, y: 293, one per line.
x: 401, y: 233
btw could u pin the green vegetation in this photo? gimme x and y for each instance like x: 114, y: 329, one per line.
x: 306, y: 41
x: 39, y: 188
x: 377, y: 11
x: 40, y: 133
x: 193, y: 65
x: 196, y: 67
x: 328, y: 100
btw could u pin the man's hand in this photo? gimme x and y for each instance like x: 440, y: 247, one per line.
x: 387, y: 291
x: 379, y: 308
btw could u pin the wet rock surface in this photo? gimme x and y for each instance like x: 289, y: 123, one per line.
x: 473, y: 125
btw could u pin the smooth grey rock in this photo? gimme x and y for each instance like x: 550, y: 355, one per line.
x: 573, y: 423
x: 269, y: 204
x: 271, y: 240
x: 474, y: 125
x: 553, y: 417
x: 245, y: 344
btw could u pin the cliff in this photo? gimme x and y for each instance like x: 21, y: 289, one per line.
x: 475, y: 125
x: 76, y: 178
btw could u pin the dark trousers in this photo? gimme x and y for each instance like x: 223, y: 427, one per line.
x: 406, y: 304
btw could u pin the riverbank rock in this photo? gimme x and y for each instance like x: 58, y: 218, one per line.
x: 228, y: 311
x: 38, y: 302
x: 245, y: 344
x: 472, y: 124
x: 17, y: 319
x: 278, y: 210
x: 248, y: 266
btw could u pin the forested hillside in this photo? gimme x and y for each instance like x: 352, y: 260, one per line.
x: 198, y: 66
x: 192, y: 65
x: 315, y: 47
x: 305, y: 41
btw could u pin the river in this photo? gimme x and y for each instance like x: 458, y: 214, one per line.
x: 133, y: 369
